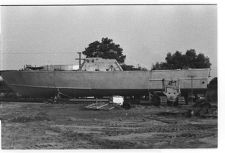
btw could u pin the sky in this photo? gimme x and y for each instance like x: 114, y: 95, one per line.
x: 40, y: 35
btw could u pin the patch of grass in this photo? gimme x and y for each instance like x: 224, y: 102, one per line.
x: 38, y: 117
x: 114, y: 144
x: 74, y: 136
x: 54, y: 129
x: 103, y: 143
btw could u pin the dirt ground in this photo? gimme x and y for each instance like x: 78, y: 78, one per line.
x: 70, y: 126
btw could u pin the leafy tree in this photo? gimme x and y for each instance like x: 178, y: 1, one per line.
x: 183, y: 61
x: 105, y: 49
x: 109, y: 50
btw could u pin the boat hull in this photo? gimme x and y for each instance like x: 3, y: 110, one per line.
x: 75, y: 84
x: 84, y: 83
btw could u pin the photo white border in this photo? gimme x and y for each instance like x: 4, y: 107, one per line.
x: 220, y: 59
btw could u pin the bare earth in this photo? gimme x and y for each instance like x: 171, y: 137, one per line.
x: 70, y: 126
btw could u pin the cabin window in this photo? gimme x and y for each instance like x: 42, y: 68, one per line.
x: 96, y: 69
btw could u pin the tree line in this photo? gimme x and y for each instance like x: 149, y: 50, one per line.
x: 107, y: 49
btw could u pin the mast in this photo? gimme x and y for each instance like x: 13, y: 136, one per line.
x: 79, y: 59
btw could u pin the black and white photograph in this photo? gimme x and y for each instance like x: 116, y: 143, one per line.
x: 108, y: 76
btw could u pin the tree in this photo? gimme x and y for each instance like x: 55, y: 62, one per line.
x: 183, y: 61
x: 213, y: 84
x: 212, y: 90
x: 105, y: 49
